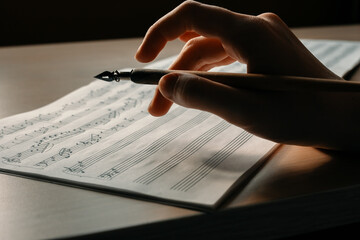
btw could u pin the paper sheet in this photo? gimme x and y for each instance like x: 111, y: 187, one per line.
x: 101, y: 136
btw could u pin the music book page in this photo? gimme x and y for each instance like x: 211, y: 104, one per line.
x: 101, y: 136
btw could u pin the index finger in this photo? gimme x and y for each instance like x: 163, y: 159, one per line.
x: 206, y: 20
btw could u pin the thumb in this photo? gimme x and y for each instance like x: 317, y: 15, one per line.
x: 192, y: 91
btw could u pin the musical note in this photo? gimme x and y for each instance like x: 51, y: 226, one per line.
x: 65, y: 152
x: 12, y: 159
x: 89, y: 141
x: 108, y: 175
x: 39, y: 148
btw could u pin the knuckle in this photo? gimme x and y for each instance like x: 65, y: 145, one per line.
x: 195, y: 49
x: 152, y: 28
x: 190, y: 10
x: 188, y: 5
x: 186, y: 90
x: 192, y: 43
x: 181, y: 95
x: 270, y: 17
x: 262, y: 25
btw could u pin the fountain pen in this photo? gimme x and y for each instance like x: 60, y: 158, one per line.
x: 239, y: 80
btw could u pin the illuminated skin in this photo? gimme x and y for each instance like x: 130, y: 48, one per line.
x: 215, y: 36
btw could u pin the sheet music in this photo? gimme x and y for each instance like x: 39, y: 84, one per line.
x: 101, y: 136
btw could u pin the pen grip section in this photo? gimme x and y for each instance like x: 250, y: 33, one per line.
x: 147, y: 76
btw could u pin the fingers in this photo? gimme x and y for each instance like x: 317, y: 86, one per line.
x: 195, y: 92
x: 159, y: 105
x: 198, y: 54
x: 206, y: 20
x: 201, y: 52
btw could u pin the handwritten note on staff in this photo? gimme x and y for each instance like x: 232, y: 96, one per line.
x: 101, y: 136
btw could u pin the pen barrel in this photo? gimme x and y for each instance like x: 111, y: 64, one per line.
x: 152, y: 76
x: 147, y: 76
x: 254, y: 81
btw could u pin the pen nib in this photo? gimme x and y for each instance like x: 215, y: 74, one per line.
x: 107, y: 76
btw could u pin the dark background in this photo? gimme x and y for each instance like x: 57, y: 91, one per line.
x: 34, y: 22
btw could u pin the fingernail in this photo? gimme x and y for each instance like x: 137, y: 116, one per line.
x: 167, y: 85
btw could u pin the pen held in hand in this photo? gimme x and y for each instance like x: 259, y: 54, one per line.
x: 239, y: 80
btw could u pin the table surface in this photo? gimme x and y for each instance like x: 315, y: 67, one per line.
x: 33, y: 76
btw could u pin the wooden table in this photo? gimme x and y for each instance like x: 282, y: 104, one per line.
x: 299, y: 189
